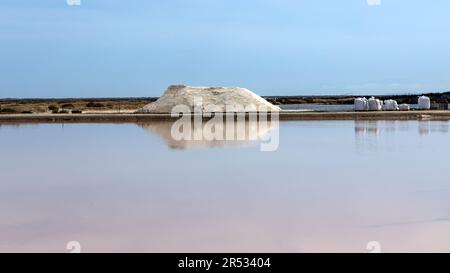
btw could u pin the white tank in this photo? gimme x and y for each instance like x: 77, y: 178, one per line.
x: 404, y: 107
x: 390, y: 105
x: 375, y: 104
x: 424, y: 103
x: 380, y: 105
x: 361, y: 104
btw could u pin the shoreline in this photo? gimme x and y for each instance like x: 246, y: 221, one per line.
x: 284, y: 115
x: 410, y: 98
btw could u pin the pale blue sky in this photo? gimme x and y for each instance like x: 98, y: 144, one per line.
x: 273, y: 47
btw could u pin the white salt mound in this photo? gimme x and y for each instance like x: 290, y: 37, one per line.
x: 221, y: 97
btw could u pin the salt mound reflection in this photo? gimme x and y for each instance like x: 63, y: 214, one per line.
x: 235, y: 134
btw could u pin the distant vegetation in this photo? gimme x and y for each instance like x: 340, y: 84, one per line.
x: 94, y: 104
x: 411, y: 99
x: 76, y: 106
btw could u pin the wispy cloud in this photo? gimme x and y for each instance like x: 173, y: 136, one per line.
x: 73, y: 2
x: 373, y: 2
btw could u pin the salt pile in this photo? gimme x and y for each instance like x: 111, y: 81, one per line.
x: 197, y: 98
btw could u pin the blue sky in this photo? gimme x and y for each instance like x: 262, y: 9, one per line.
x: 274, y: 47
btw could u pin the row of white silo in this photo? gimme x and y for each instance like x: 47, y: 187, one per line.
x: 374, y: 104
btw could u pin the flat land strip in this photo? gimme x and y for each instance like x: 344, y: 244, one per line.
x: 283, y: 115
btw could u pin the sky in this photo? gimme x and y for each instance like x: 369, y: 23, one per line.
x: 135, y: 48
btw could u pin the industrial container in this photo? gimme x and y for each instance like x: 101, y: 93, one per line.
x: 404, y: 107
x: 375, y: 104
x: 361, y: 104
x: 390, y: 105
x: 424, y: 103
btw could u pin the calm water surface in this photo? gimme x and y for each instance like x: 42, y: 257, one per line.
x: 330, y: 186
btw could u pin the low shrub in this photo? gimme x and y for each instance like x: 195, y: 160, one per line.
x: 53, y: 108
x: 94, y: 104
x: 67, y: 106
x: 8, y: 111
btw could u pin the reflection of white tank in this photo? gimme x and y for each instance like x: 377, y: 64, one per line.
x: 424, y: 103
x: 404, y: 107
x: 361, y: 104
x: 375, y: 104
x: 390, y: 105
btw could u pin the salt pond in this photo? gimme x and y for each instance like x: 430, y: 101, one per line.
x: 330, y: 186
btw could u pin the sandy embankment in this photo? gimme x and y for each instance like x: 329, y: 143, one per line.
x: 283, y: 115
